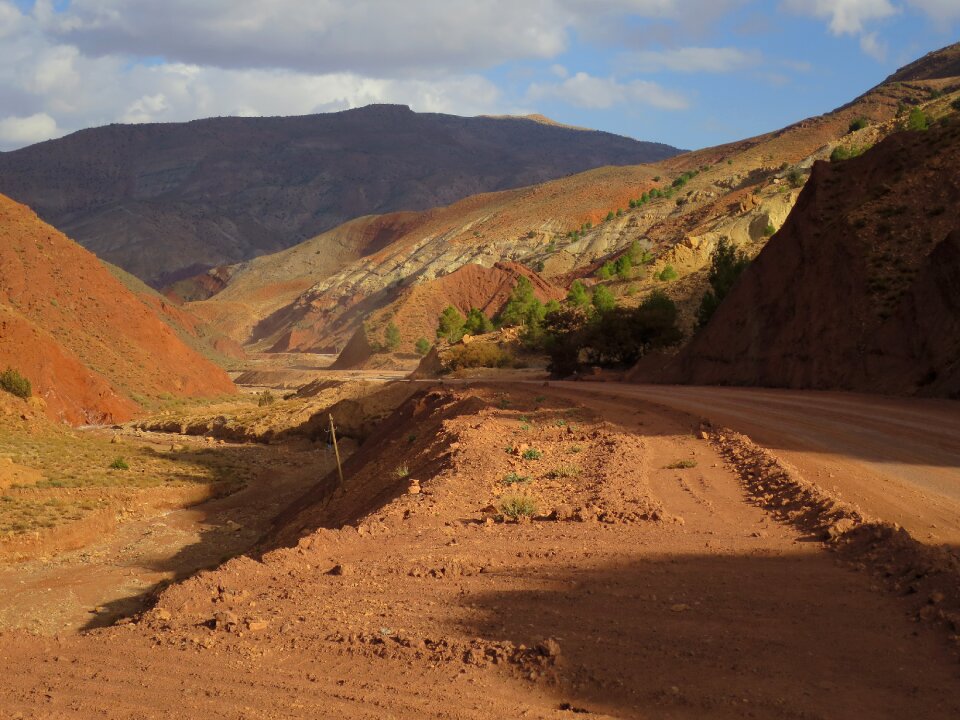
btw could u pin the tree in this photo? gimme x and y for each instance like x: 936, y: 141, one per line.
x: 859, y: 124
x: 422, y: 346
x: 477, y: 323
x: 610, y: 215
x: 624, y: 267
x: 523, y: 307
x: 606, y: 271
x: 667, y: 274
x: 603, y: 299
x: 726, y: 265
x: 578, y: 295
x: 391, y: 337
x: 14, y: 383
x: 450, y: 325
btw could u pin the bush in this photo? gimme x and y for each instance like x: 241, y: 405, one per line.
x: 477, y: 323
x: 514, y: 479
x: 265, y: 398
x: 401, y: 471
x: 518, y: 506
x: 391, y: 337
x: 610, y: 215
x: 624, y: 267
x: 603, y: 299
x: 450, y: 325
x: 769, y: 230
x: 726, y: 265
x: 578, y: 295
x: 638, y: 255
x: 477, y: 355
x: 523, y: 308
x: 422, y: 346
x: 606, y: 271
x: 119, y: 463
x: 795, y: 177
x: 917, y: 120
x: 858, y: 124
x: 842, y: 153
x: 532, y: 454
x: 667, y: 274
x: 14, y: 383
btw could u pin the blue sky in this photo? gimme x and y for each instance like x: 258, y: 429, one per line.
x: 690, y: 73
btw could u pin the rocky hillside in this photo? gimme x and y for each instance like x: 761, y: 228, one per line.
x: 860, y: 289
x: 92, y: 349
x: 310, y: 296
x: 165, y: 201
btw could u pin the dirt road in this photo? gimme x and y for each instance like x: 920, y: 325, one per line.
x: 896, y: 458
x: 648, y: 586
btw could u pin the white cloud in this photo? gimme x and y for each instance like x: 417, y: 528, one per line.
x: 873, y: 46
x: 597, y: 93
x: 24, y: 130
x: 847, y: 17
x: 692, y: 60
x: 939, y: 10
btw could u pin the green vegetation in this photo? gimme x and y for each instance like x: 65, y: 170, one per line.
x: 624, y: 267
x: 682, y: 464
x: 603, y: 300
x: 667, y: 274
x: 450, y: 325
x: 638, y: 255
x: 565, y: 471
x: 477, y: 323
x: 769, y: 230
x: 119, y: 463
x: 391, y: 337
x: 606, y: 271
x: 523, y: 308
x: 422, y: 346
x: 518, y: 506
x: 578, y: 295
x: 917, y: 120
x: 13, y: 382
x: 531, y: 454
x: 858, y: 124
x: 401, y: 471
x: 514, y: 479
x: 610, y: 215
x: 611, y: 336
x: 846, y: 153
x: 795, y: 177
x: 726, y: 265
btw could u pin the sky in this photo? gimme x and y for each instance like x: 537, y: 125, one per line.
x: 690, y: 73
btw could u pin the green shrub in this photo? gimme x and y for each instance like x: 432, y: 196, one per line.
x: 858, y: 124
x: 401, y: 471
x: 523, y: 308
x: 578, y: 295
x: 391, y: 337
x: 531, y: 454
x: 624, y: 267
x: 13, y: 382
x: 606, y: 271
x: 682, y: 464
x: 450, y: 325
x: 917, y: 120
x: 726, y: 265
x: 769, y: 230
x: 603, y: 299
x: 477, y: 323
x: 518, y: 506
x: 610, y: 216
x: 667, y: 274
x: 795, y: 177
x: 119, y: 463
x: 638, y: 255
x: 422, y: 346
x: 514, y: 479
x: 842, y: 153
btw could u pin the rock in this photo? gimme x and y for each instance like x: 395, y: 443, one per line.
x: 115, y: 439
x: 226, y: 620
x: 549, y: 648
x: 162, y: 614
x: 414, y: 487
x: 937, y: 597
x: 255, y: 625
x: 341, y: 570
x: 841, y: 526
x: 679, y: 607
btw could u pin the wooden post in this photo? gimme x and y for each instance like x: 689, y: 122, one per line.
x: 336, y: 450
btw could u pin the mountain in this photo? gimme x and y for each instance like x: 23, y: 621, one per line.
x: 165, y: 201
x: 860, y: 289
x: 358, y: 276
x: 93, y: 350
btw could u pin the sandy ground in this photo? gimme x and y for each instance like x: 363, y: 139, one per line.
x: 639, y: 591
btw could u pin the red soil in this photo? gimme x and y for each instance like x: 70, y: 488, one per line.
x: 83, y: 339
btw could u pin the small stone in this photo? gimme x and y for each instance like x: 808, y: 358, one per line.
x: 679, y: 607
x: 341, y: 570
x: 226, y: 620
x: 256, y: 625
x: 937, y: 597
x: 841, y: 526
x: 549, y: 648
x: 414, y: 487
x: 162, y: 614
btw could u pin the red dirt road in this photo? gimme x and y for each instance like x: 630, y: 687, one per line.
x: 896, y: 458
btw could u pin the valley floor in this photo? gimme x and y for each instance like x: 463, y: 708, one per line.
x: 668, y: 573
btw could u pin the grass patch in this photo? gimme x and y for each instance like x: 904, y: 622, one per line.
x: 574, y: 450
x: 119, y: 463
x: 515, y: 479
x: 685, y: 464
x: 518, y: 506
x: 401, y: 471
x: 532, y: 454
x: 565, y: 471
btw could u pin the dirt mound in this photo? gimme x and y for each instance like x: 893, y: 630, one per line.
x: 88, y: 345
x: 858, y: 289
